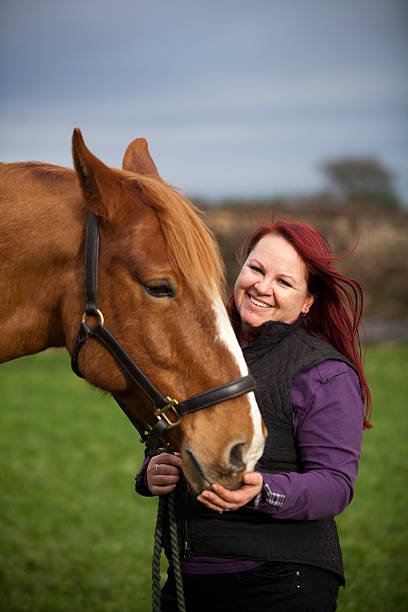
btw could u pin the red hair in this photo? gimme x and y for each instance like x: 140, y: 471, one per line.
x: 335, y: 314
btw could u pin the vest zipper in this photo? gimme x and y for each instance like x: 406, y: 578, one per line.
x: 182, y: 511
x: 186, y: 551
x: 187, y: 548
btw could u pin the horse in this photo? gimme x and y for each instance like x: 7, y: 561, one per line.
x: 158, y: 284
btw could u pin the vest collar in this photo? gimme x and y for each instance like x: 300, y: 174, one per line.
x: 271, y: 334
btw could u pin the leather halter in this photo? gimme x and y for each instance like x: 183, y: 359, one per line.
x: 164, y: 406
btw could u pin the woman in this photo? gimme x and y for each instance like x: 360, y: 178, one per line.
x: 272, y: 544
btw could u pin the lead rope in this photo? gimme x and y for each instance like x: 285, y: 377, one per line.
x: 166, y: 502
x: 157, y: 548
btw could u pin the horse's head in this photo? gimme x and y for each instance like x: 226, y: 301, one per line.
x: 160, y: 281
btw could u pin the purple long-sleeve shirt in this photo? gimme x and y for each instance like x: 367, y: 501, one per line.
x: 327, y: 425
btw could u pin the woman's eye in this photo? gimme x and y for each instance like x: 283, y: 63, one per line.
x: 285, y: 283
x: 159, y: 289
x: 256, y: 269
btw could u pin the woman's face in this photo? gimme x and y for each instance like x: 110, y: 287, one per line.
x: 272, y: 284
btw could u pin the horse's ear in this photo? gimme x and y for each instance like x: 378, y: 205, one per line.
x: 100, y: 184
x: 137, y: 159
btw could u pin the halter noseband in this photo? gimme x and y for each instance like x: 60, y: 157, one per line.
x: 164, y: 406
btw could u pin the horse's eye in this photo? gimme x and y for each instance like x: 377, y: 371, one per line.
x: 159, y: 289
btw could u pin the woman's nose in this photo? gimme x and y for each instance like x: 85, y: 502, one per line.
x: 264, y: 286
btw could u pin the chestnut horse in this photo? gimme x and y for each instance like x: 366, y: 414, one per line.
x: 160, y: 291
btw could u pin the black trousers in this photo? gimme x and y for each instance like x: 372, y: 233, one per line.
x: 271, y: 587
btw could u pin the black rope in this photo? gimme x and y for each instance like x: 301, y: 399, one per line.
x: 166, y: 508
x: 157, y: 548
x: 175, y: 553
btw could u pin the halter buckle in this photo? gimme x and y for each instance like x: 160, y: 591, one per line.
x: 161, y: 413
x: 97, y: 315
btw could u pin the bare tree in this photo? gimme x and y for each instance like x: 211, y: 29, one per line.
x: 362, y: 178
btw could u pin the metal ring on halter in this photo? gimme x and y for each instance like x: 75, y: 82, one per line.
x: 98, y: 315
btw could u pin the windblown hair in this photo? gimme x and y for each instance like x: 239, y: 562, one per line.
x: 191, y: 246
x: 335, y: 314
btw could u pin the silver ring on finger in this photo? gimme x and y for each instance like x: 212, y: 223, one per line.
x: 156, y: 468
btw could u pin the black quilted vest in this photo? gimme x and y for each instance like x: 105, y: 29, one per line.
x: 280, y: 352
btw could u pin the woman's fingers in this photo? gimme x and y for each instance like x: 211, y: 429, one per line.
x: 221, y: 499
x: 163, y: 473
x: 163, y: 489
x: 166, y: 459
x: 166, y: 479
x: 163, y: 469
x: 213, y: 501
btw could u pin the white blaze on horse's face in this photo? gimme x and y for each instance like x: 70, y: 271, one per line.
x: 227, y: 336
x: 221, y: 443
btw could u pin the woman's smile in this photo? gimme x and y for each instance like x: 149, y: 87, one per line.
x: 258, y: 302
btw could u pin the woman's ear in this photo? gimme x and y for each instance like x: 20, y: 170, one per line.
x: 307, y: 304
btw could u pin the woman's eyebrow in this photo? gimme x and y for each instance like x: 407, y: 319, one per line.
x: 254, y: 260
x: 290, y: 277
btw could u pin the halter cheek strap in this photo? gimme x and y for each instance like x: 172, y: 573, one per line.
x: 168, y: 412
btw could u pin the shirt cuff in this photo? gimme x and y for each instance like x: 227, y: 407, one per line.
x: 269, y: 497
x: 140, y: 480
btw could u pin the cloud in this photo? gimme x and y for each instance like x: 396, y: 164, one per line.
x: 231, y: 95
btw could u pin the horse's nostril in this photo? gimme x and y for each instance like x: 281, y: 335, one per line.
x: 236, y: 455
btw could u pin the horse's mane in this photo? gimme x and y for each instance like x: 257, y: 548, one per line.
x: 41, y: 170
x: 191, y: 246
x: 192, y: 249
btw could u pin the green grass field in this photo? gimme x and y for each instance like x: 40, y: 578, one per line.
x: 74, y: 536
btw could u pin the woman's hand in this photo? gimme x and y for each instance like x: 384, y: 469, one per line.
x: 163, y: 473
x: 221, y: 499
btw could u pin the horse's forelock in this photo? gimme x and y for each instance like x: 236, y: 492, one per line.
x: 191, y: 246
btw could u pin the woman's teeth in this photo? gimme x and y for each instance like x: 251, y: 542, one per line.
x: 258, y: 303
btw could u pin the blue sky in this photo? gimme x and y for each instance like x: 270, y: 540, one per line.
x: 235, y: 98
